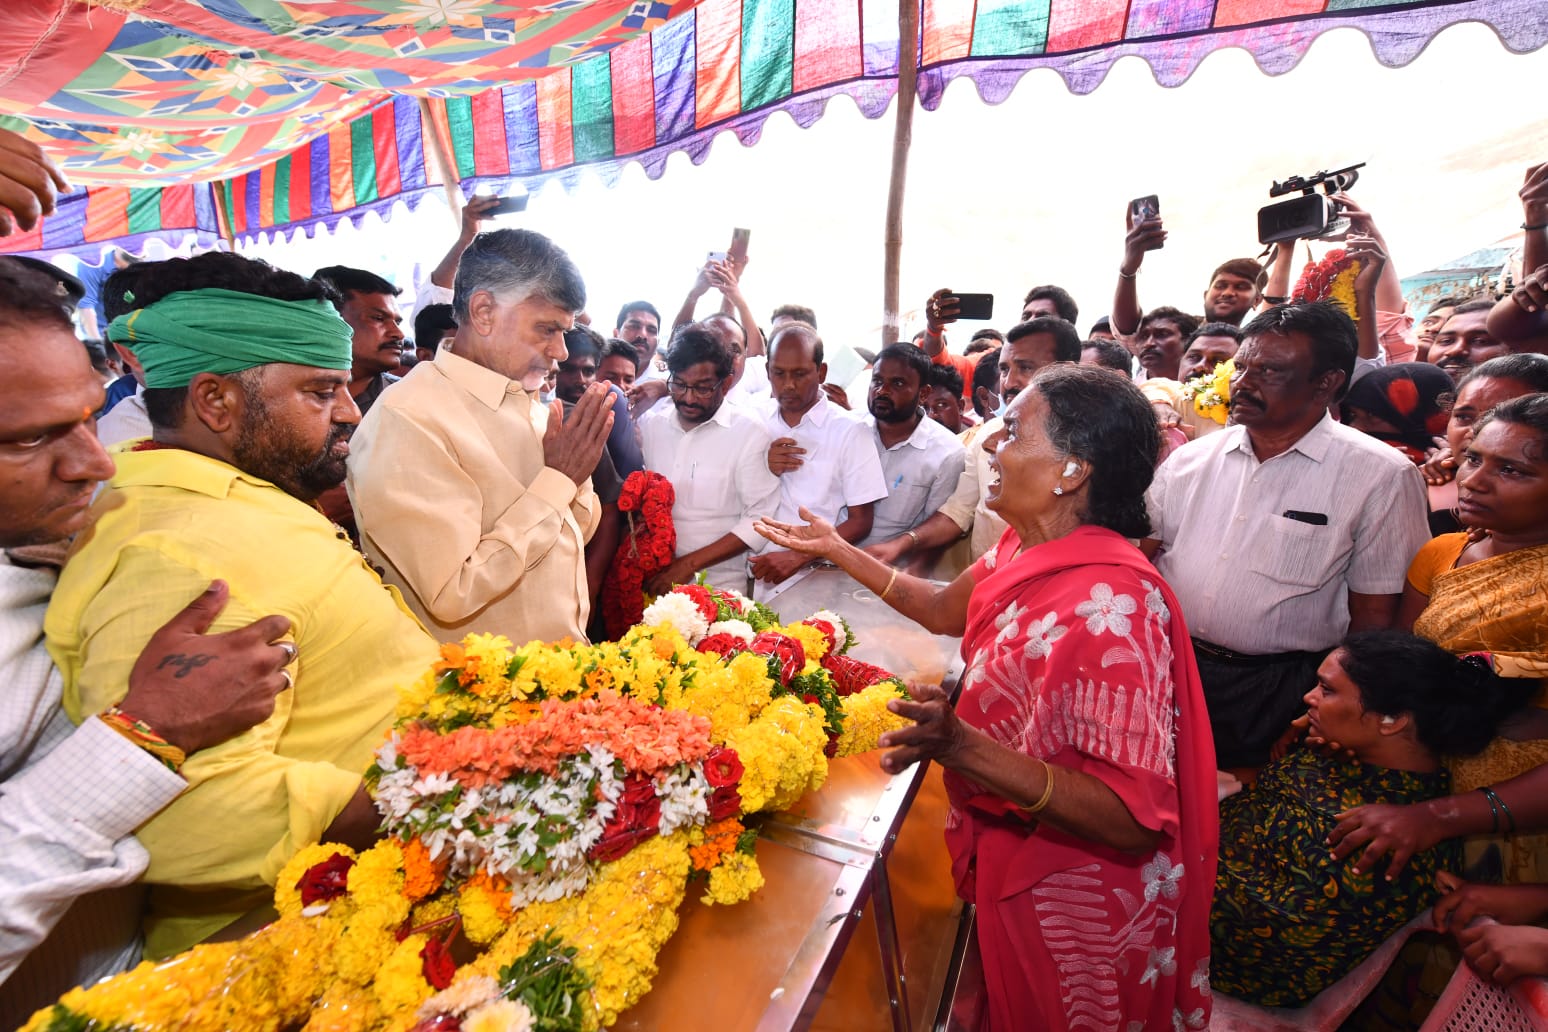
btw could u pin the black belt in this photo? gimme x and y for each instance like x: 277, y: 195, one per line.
x: 1221, y: 654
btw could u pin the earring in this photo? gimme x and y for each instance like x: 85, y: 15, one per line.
x: 1058, y: 490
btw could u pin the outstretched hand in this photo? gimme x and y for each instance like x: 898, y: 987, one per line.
x: 1464, y: 900
x: 936, y: 733
x: 1147, y: 234
x: 30, y: 183
x: 941, y: 310
x: 1503, y: 953
x: 818, y: 537
x: 1384, y: 829
x: 1532, y: 296
x: 1372, y: 256
x: 1440, y: 466
x: 1534, y: 194
x: 475, y: 211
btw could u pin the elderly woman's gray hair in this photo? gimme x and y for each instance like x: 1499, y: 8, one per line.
x: 516, y: 264
x: 1100, y: 417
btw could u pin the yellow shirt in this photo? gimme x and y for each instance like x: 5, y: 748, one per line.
x: 455, y: 504
x: 169, y: 523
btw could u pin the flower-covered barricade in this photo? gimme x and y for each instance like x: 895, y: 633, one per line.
x: 546, y: 810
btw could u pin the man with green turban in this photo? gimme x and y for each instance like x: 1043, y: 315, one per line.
x: 246, y: 386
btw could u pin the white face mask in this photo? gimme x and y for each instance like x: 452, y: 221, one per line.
x: 1001, y: 408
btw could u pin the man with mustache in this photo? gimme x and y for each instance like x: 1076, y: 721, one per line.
x: 1029, y: 346
x: 247, y: 389
x: 1464, y: 340
x: 921, y: 460
x: 1160, y: 340
x: 72, y: 796
x: 369, y: 304
x: 1284, y: 531
x: 473, y: 498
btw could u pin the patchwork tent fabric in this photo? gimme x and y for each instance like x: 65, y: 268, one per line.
x: 304, y: 112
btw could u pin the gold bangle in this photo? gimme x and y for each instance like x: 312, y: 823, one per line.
x: 890, y: 582
x: 1048, y: 779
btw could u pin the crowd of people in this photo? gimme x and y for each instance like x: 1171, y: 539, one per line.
x: 1251, y: 681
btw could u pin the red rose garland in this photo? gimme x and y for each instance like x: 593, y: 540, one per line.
x: 647, y: 549
x: 325, y: 881
x: 851, y: 675
x: 787, y: 653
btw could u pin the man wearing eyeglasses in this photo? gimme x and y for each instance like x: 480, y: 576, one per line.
x: 714, y: 455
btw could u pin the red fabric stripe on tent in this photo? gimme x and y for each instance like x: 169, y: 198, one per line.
x: 634, y: 97
x: 265, y: 196
x: 556, y: 144
x: 718, y: 79
x: 301, y: 183
x: 50, y: 45
x: 177, y: 206
x: 238, y: 210
x: 827, y: 43
x: 1240, y: 12
x: 384, y: 141
x: 107, y: 214
x: 491, y: 157
x: 948, y: 30
x: 20, y: 242
x: 1086, y: 24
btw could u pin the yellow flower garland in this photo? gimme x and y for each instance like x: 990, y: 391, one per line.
x: 339, y: 965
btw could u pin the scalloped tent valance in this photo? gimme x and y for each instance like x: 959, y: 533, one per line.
x: 306, y: 114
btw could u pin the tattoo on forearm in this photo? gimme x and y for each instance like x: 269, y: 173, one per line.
x: 185, y: 664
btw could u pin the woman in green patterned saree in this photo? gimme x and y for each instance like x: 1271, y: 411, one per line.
x: 1288, y: 920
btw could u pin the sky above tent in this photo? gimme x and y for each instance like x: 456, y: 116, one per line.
x: 1033, y: 190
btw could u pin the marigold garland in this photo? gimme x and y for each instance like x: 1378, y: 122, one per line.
x: 1331, y: 279
x: 1211, y: 392
x: 657, y: 747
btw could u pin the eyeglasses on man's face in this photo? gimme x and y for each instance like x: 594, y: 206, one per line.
x: 694, y: 390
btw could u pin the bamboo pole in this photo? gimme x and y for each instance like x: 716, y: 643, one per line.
x: 223, y: 219
x: 902, y: 137
x: 436, y: 137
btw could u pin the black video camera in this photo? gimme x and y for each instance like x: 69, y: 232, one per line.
x: 1310, y: 216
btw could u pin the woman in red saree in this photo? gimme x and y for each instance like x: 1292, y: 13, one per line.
x: 1078, y: 759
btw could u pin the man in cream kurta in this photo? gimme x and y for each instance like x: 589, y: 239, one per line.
x: 471, y: 498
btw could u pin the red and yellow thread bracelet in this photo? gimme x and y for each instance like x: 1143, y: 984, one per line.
x: 144, y: 736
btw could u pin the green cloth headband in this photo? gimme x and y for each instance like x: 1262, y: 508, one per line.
x: 212, y: 330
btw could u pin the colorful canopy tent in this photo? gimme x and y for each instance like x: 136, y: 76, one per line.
x: 306, y: 113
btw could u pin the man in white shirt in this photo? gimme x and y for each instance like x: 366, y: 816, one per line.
x: 716, y: 456
x: 822, y: 453
x: 72, y: 796
x: 1029, y: 347
x: 921, y: 460
x: 1285, y: 531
